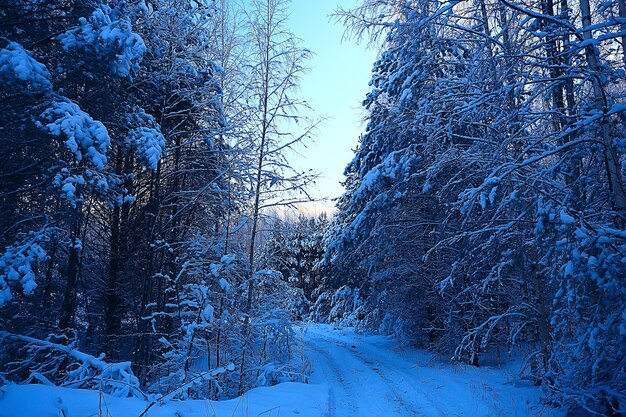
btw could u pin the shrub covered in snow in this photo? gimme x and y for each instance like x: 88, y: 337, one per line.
x: 343, y: 306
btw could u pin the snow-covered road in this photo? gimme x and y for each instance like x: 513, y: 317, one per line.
x: 371, y: 376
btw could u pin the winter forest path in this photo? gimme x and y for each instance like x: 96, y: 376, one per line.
x: 372, y: 376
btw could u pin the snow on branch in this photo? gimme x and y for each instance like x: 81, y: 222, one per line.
x: 84, y: 136
x: 89, y: 372
x: 18, y: 67
x: 17, y: 263
x: 109, y: 39
x: 395, y: 167
x: 146, y: 138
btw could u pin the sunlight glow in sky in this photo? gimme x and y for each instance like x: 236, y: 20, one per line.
x: 335, y: 86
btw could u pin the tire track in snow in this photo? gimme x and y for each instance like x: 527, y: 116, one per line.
x: 371, y: 376
x: 366, y: 400
x: 328, y: 378
x: 399, y: 375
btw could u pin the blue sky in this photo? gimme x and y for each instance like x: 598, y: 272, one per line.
x: 335, y: 86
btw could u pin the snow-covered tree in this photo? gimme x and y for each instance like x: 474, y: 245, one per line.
x: 273, y: 119
x: 295, y: 248
x: 489, y: 183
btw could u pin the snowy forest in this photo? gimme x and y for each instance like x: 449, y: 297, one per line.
x: 153, y: 261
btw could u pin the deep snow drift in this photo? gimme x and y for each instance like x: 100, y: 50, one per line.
x: 352, y: 376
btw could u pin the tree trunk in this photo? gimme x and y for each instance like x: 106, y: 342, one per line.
x: 111, y: 319
x: 68, y: 306
x: 262, y: 145
x: 47, y: 289
x: 622, y: 27
x: 612, y: 165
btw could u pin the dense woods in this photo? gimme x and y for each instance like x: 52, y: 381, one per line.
x: 145, y: 168
x: 142, y: 144
x: 485, y: 209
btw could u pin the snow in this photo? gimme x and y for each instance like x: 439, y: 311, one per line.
x: 68, y: 184
x: 145, y: 138
x: 215, y: 269
x: 86, y: 371
x: 374, y: 376
x: 16, y: 266
x: 568, y: 269
x: 286, y: 400
x: 228, y: 259
x: 84, y: 136
x: 18, y: 67
x: 225, y: 285
x: 208, y: 312
x: 150, y: 145
x: 566, y: 218
x: 393, y: 168
x: 112, y: 40
x: 352, y: 376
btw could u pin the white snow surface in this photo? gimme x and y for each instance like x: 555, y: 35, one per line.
x: 284, y: 400
x: 352, y: 376
x: 373, y: 376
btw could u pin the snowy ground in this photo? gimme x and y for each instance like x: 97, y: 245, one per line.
x: 373, y: 376
x: 352, y: 376
x: 284, y: 400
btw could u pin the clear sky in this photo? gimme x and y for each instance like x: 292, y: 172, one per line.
x: 335, y: 86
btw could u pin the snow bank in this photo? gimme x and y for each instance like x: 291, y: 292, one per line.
x: 289, y: 399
